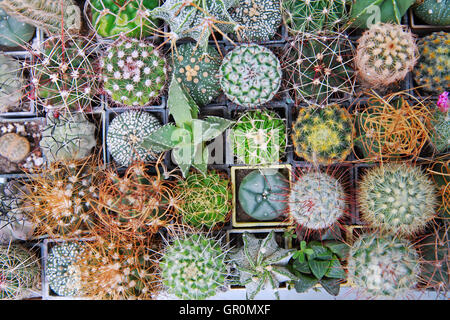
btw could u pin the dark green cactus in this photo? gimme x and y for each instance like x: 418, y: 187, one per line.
x: 13, y: 32
x: 434, y: 12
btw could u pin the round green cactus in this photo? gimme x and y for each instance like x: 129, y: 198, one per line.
x: 198, y: 72
x: 110, y: 18
x: 262, y: 194
x: 63, y: 275
x: 205, y: 199
x: 13, y: 32
x: 317, y: 200
x: 67, y: 137
x: 433, y: 68
x: 250, y: 75
x: 133, y: 72
x: 259, y: 137
x: 125, y: 134
x: 440, y: 133
x: 11, y: 83
x: 434, y: 12
x: 383, y: 267
x: 397, y: 198
x: 193, y: 267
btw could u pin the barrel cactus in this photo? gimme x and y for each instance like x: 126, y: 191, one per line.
x: 250, y: 75
x: 193, y: 267
x: 397, y: 198
x: 433, y: 68
x: 125, y: 134
x: 383, y: 267
x: 13, y: 32
x: 14, y: 147
x: 133, y: 72
x: 433, y: 12
x: 11, y: 83
x: 66, y: 137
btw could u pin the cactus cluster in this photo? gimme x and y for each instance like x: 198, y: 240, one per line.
x: 11, y: 83
x: 13, y: 32
x: 433, y: 12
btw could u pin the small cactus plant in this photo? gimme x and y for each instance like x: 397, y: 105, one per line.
x: 397, y: 198
x: 440, y: 133
x: 13, y: 32
x: 433, y: 12
x: 14, y: 147
x: 11, y: 83
x: 250, y: 75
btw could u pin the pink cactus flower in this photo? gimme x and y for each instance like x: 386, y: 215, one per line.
x: 443, y: 102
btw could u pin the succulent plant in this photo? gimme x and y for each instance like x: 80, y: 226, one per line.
x: 14, y: 147
x: 323, y: 135
x: 259, y: 137
x: 133, y: 72
x: 198, y: 71
x: 440, y: 133
x: 433, y: 68
x: 53, y: 16
x: 67, y: 137
x: 317, y: 200
x: 397, y: 198
x: 126, y: 133
x: 20, y: 272
x: 383, y: 267
x: 193, y: 267
x: 260, y: 263
x: 434, y: 12
x: 63, y: 274
x: 13, y: 32
x: 250, y: 75
x: 111, y: 18
x: 11, y: 83
x: 205, y: 200
x: 385, y: 54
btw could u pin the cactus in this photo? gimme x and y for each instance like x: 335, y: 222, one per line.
x: 133, y: 72
x: 385, y: 54
x: 14, y: 147
x: 260, y: 263
x: 397, y: 198
x: 54, y: 16
x: 440, y: 133
x: 313, y: 16
x: 67, y: 137
x: 383, y: 267
x: 193, y: 267
x: 259, y: 137
x: 323, y: 135
x: 205, y: 200
x: 198, y: 72
x: 260, y: 19
x: 317, y: 200
x: 126, y: 133
x: 131, y: 18
x: 434, y: 12
x: 11, y: 83
x: 63, y: 274
x: 14, y: 33
x: 19, y: 272
x: 250, y: 75
x: 433, y: 68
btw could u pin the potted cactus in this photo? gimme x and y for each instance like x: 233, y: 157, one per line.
x: 13, y: 32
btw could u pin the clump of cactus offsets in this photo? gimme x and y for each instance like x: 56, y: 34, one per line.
x: 383, y: 267
x: 385, y: 54
x: 125, y: 134
x: 259, y: 137
x: 434, y: 12
x: 67, y: 137
x: 11, y: 83
x: 397, y: 198
x: 13, y: 32
x: 134, y: 72
x: 433, y: 68
x: 193, y: 267
x: 250, y: 75
x: 260, y: 263
x: 19, y: 272
x: 63, y: 274
x: 205, y: 200
x: 323, y: 135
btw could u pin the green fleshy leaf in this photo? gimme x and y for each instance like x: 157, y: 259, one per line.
x: 319, y: 267
x: 302, y: 267
x: 339, y: 248
x: 182, y: 159
x: 162, y: 138
x: 200, y: 160
x: 332, y: 286
x: 305, y: 283
x: 335, y: 270
x: 181, y: 106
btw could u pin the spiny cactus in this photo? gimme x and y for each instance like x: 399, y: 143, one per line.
x: 383, y: 267
x: 385, y: 54
x: 433, y: 68
x: 193, y: 267
x: 19, y: 272
x: 63, y: 274
x: 11, y: 83
x: 53, y: 16
x: 14, y: 147
x: 440, y: 132
x: 13, y: 32
x: 205, y: 200
x: 259, y: 137
x: 397, y: 198
x: 67, y: 137
x: 125, y: 134
x: 133, y: 72
x: 434, y: 12
x: 250, y: 75
x: 323, y: 135
x: 260, y: 263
